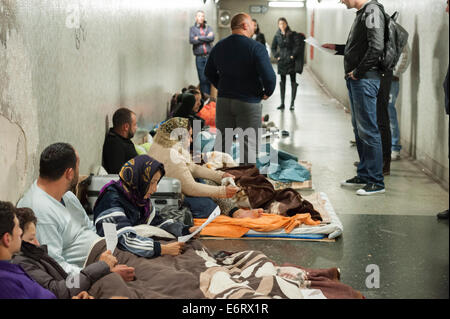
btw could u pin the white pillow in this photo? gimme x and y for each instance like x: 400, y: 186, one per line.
x: 152, y: 231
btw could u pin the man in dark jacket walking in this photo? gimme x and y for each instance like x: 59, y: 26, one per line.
x: 362, y: 53
x: 201, y: 36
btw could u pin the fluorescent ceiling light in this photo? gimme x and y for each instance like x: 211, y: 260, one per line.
x: 286, y: 4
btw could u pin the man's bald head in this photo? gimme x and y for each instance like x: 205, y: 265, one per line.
x: 241, y: 23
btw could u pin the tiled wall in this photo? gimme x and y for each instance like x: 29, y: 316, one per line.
x: 67, y: 65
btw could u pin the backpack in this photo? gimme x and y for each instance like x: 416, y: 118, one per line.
x: 395, y: 39
x: 300, y: 43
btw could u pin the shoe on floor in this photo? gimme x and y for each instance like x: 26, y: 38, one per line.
x: 292, y: 107
x: 354, y: 182
x: 266, y: 118
x: 443, y: 215
x: 395, y: 156
x: 370, y: 189
x: 281, y: 107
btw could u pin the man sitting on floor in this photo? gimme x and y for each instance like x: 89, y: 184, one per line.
x: 118, y: 147
x: 63, y: 224
x: 14, y: 282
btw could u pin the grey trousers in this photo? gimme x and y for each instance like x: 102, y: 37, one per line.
x: 234, y: 117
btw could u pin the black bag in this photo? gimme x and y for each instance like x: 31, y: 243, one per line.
x: 395, y: 39
x: 300, y: 59
x: 180, y: 214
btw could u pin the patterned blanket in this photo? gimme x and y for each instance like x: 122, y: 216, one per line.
x: 197, y: 274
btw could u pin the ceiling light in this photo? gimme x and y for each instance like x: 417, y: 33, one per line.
x: 286, y: 4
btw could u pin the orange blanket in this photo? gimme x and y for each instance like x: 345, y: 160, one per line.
x: 224, y: 226
x: 208, y: 113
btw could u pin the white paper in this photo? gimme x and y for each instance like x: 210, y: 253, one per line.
x: 211, y: 217
x: 313, y: 41
x: 110, y: 236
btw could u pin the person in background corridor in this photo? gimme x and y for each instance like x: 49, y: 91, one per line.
x: 444, y: 214
x: 362, y: 53
x: 258, y: 36
x: 201, y: 37
x: 405, y: 61
x: 285, y: 49
x: 240, y: 69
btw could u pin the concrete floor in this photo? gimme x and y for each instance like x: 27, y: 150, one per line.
x: 396, y: 231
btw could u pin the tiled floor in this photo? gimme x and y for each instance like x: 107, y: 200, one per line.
x: 396, y: 231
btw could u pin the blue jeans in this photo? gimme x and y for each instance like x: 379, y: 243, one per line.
x: 395, y: 88
x: 363, y: 101
x: 200, y: 62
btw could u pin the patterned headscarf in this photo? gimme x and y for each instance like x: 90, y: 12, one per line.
x: 162, y: 136
x: 135, y: 177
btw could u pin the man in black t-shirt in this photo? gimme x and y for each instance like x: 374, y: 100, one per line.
x: 118, y: 147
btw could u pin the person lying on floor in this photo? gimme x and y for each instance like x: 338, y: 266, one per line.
x: 63, y: 224
x: 175, y: 155
x: 126, y: 203
x: 43, y: 269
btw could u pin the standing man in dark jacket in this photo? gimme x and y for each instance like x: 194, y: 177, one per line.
x: 201, y: 36
x: 240, y: 69
x: 118, y: 147
x: 362, y: 53
x: 285, y: 49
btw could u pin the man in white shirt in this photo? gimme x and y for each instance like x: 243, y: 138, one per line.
x: 62, y: 225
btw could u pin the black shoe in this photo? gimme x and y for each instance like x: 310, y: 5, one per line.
x: 355, y: 181
x: 281, y: 107
x: 370, y: 189
x: 266, y: 118
x: 443, y: 215
x: 292, y: 107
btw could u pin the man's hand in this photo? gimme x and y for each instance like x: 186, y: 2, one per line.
x: 210, y: 34
x: 228, y: 175
x: 108, y: 258
x: 193, y: 229
x: 292, y: 58
x: 127, y: 273
x: 83, y: 295
x: 196, y: 38
x: 173, y: 249
x: 329, y: 46
x: 351, y: 76
x: 231, y: 191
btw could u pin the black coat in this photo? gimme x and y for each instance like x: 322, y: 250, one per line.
x: 261, y: 38
x: 283, y: 47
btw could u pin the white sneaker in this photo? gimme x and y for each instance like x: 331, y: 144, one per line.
x: 395, y: 155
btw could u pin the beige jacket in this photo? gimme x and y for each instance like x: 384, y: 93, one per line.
x: 178, y: 164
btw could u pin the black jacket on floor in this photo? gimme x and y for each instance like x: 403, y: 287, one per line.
x: 365, y: 43
x: 117, y: 150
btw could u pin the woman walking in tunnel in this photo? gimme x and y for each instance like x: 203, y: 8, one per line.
x: 285, y: 50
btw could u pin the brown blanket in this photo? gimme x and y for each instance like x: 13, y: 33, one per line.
x: 196, y: 274
x: 262, y: 194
